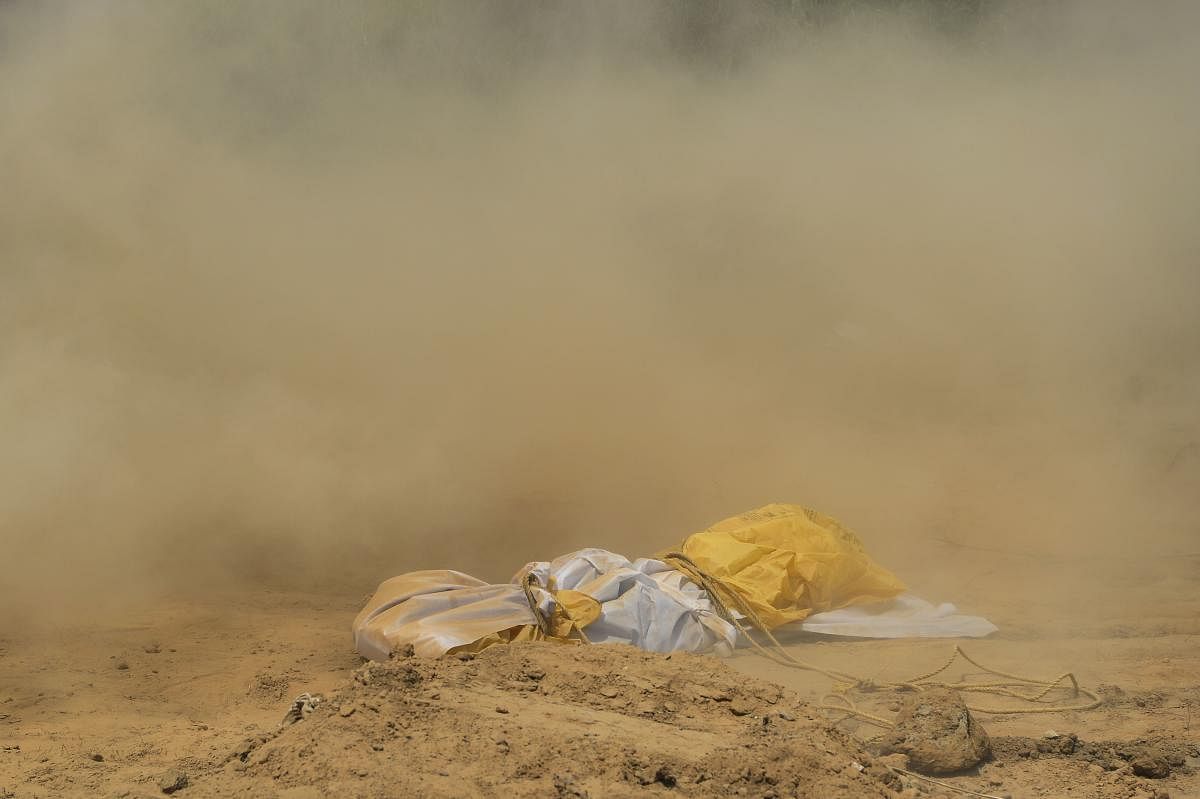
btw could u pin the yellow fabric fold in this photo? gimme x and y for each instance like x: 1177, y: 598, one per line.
x: 788, y: 562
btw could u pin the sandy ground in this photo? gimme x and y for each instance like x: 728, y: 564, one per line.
x: 105, y: 710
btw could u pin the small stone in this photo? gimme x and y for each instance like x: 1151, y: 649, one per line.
x: 740, y: 707
x: 121, y: 665
x: 608, y: 692
x: 346, y: 711
x: 534, y: 673
x: 566, y: 787
x: 99, y: 758
x: 1057, y: 744
x: 783, y: 714
x: 378, y: 747
x: 1150, y: 764
x: 152, y: 648
x: 501, y: 709
x: 172, y: 781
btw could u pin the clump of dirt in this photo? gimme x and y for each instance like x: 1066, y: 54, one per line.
x: 938, y: 733
x: 549, y: 720
x: 1063, y: 765
x: 269, y: 688
x: 1146, y: 757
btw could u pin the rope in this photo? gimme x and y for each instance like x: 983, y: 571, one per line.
x: 941, y: 784
x: 723, y: 596
x: 544, y: 625
x: 726, y: 598
x: 528, y: 584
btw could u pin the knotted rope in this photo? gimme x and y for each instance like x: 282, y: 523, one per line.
x: 545, y: 624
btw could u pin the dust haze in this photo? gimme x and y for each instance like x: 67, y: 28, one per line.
x: 309, y: 292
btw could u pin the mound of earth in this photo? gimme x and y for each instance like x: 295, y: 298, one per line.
x: 543, y: 720
x: 937, y: 732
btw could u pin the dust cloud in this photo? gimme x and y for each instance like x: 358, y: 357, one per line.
x: 310, y: 292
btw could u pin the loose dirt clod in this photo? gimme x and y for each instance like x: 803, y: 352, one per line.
x: 938, y: 733
x: 1150, y: 764
x: 173, y: 781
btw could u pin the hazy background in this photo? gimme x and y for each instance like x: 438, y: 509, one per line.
x: 298, y: 292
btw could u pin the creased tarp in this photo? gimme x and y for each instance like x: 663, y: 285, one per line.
x: 436, y: 611
x: 644, y: 603
x: 788, y: 562
x: 906, y: 616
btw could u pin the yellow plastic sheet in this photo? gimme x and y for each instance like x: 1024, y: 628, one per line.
x: 526, y: 632
x: 789, y: 562
x: 573, y: 611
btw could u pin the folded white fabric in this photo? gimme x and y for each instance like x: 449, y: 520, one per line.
x: 644, y: 603
x: 906, y: 616
x: 436, y: 611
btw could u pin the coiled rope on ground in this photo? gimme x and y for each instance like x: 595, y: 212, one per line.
x: 1031, y: 690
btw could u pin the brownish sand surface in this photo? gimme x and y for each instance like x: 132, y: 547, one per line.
x: 299, y: 295
x: 200, y: 686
